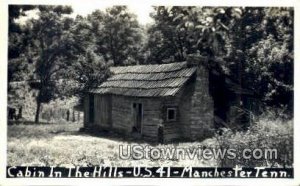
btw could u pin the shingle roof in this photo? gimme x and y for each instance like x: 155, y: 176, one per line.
x: 146, y: 80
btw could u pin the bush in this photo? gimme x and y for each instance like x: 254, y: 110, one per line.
x: 265, y: 133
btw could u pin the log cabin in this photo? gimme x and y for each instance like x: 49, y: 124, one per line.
x: 159, y: 103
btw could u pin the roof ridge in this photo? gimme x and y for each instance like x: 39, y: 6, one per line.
x: 157, y: 72
x: 163, y: 79
x: 149, y: 69
x: 142, y: 65
x: 143, y: 88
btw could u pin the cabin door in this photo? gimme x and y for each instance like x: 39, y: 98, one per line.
x: 104, y: 110
x: 137, y: 117
x: 91, y: 108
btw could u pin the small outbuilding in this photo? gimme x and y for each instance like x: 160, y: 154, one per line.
x: 159, y: 103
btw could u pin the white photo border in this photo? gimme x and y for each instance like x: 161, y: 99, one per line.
x: 146, y: 181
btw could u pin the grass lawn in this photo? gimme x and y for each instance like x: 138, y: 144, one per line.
x: 64, y: 145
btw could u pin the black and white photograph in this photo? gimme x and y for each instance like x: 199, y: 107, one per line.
x: 149, y: 91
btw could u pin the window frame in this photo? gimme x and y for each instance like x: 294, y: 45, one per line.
x: 175, y: 114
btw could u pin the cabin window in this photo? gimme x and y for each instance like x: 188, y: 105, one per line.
x: 171, y: 114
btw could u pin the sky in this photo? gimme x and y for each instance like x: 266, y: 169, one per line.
x: 141, y: 10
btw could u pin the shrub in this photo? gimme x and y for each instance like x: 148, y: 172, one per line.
x: 265, y: 133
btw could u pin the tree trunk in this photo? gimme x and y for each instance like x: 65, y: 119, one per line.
x: 37, y: 114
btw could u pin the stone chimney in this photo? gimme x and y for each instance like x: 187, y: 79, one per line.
x: 196, y: 60
x: 202, y: 105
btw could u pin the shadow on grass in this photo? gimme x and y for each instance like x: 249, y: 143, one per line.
x: 23, y: 122
x: 129, y: 138
x: 26, y: 122
x: 113, y: 135
x: 107, y: 134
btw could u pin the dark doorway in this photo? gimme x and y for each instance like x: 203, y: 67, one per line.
x: 160, y: 134
x: 137, y: 117
x: 91, y: 108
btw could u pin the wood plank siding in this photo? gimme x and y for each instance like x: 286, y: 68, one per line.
x: 160, y: 103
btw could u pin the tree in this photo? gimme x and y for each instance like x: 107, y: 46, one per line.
x: 251, y: 46
x: 117, y: 34
x: 18, y: 63
x: 85, y: 68
x: 179, y: 31
x: 270, y: 58
x: 49, y: 49
x: 88, y: 72
x: 100, y: 40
